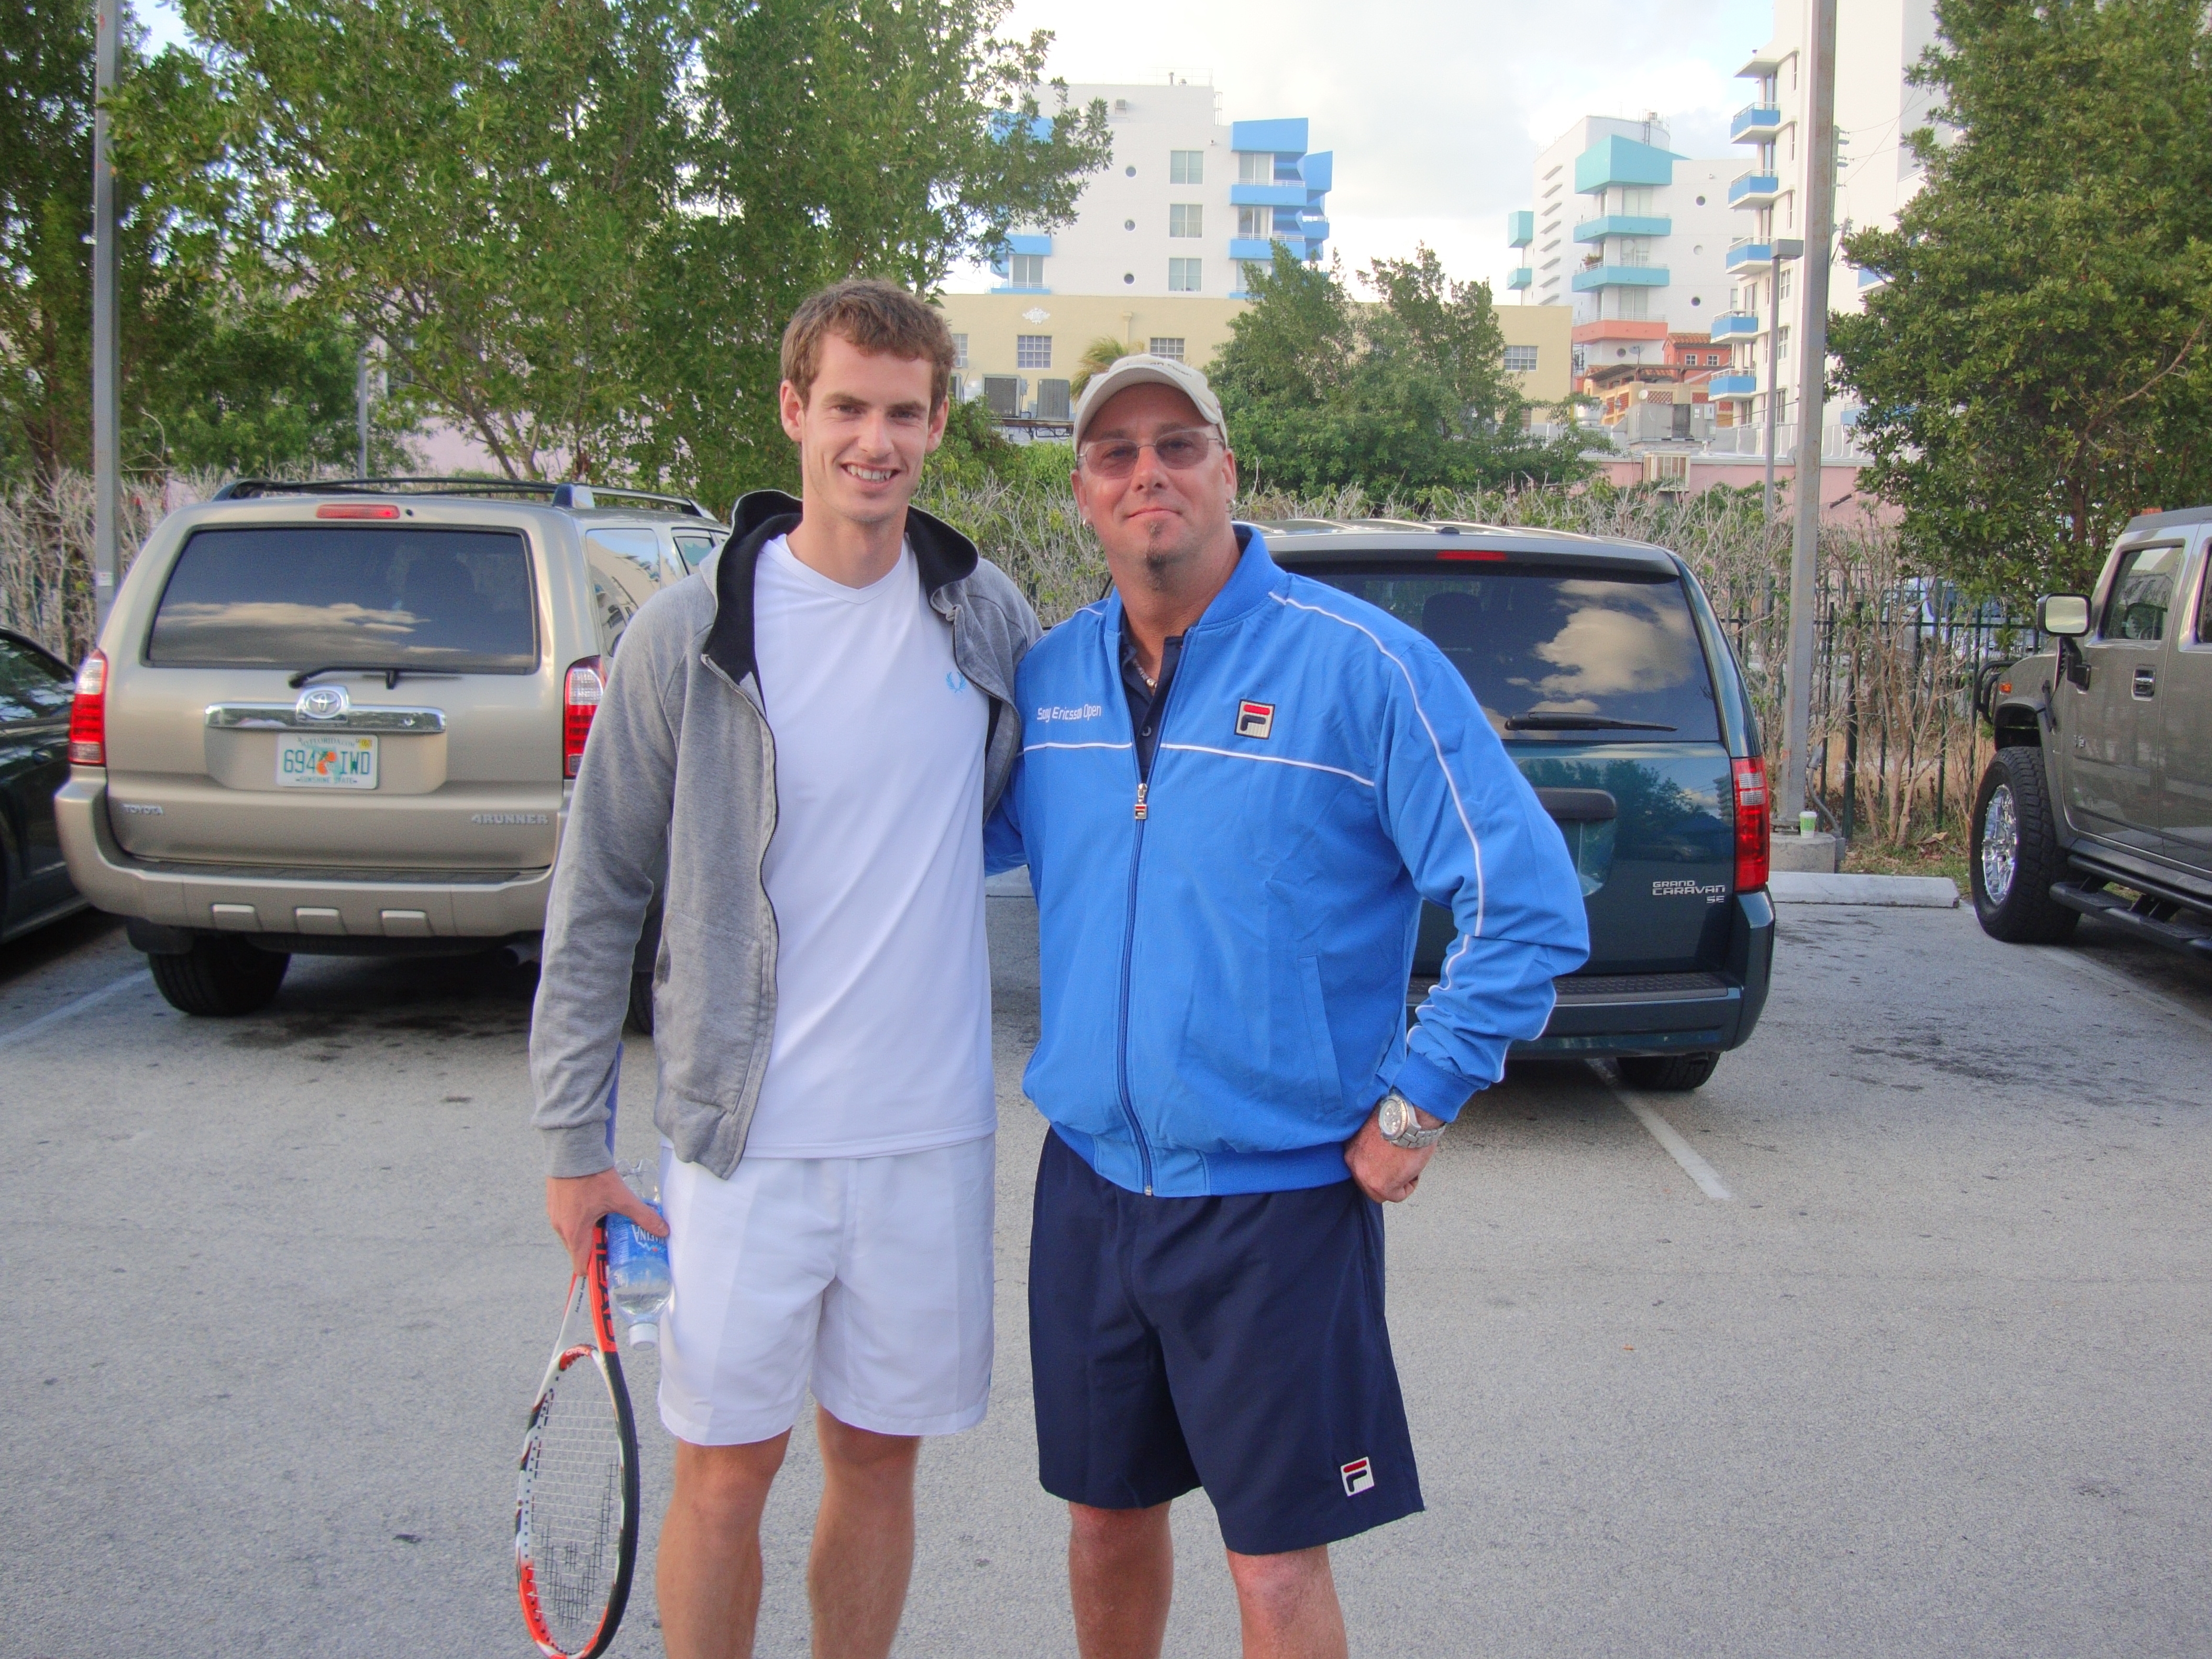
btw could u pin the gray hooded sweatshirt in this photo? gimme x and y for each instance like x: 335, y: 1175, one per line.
x: 678, y: 793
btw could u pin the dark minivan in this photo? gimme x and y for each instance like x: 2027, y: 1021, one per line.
x: 1604, y: 671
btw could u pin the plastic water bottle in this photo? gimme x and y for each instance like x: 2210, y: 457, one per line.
x: 638, y: 1280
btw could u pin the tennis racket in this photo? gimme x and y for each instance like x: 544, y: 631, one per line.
x: 576, y: 1504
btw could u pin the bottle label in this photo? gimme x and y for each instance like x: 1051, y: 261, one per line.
x: 627, y: 1243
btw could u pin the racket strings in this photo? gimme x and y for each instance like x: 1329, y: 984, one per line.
x: 574, y: 1507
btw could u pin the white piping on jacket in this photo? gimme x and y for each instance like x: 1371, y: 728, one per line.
x: 1273, y: 759
x: 1450, y: 783
x: 1031, y: 748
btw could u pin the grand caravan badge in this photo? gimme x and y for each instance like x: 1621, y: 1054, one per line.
x: 1712, y: 894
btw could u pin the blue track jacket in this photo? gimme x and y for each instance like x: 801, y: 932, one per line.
x: 1224, y: 972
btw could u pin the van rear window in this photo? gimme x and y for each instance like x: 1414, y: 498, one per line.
x: 314, y: 596
x: 1558, y: 655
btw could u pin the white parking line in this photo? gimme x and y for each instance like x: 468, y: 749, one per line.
x: 1708, y: 1178
x: 56, y: 1016
x: 2133, y: 987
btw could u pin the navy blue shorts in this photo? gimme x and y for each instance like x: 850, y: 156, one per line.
x: 1236, y: 1343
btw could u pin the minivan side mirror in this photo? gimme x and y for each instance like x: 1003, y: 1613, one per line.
x: 2065, y: 615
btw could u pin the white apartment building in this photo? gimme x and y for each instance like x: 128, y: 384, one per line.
x: 1629, y: 235
x: 1188, y: 201
x: 1878, y: 41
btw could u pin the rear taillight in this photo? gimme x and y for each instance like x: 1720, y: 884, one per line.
x: 1753, y: 832
x: 580, y: 700
x: 88, y: 713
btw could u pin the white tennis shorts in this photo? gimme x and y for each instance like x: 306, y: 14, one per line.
x: 868, y: 1278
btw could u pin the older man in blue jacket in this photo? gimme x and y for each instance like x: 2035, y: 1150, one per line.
x: 1236, y: 787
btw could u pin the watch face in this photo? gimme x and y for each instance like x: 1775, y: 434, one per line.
x: 1392, y: 1119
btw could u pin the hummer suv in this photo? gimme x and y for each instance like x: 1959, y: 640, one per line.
x: 342, y: 718
x: 2099, y: 801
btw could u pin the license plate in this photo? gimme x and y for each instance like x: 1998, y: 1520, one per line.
x: 307, y: 761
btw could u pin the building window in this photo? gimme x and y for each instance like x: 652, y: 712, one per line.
x: 1256, y: 221
x: 1783, y: 292
x: 1026, y: 270
x: 1185, y: 166
x: 960, y: 351
x: 1165, y: 345
x: 1255, y: 167
x: 1185, y: 219
x: 1032, y: 351
x: 1520, y: 360
x: 1182, y: 276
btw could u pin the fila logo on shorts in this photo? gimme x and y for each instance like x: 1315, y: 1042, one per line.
x: 1254, y: 719
x: 1358, y: 1475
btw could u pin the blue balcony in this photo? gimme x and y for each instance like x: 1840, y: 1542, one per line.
x: 1319, y: 171
x: 1261, y: 247
x: 1732, y: 386
x: 1750, y: 256
x: 1754, y: 189
x: 1520, y: 277
x: 1597, y: 276
x: 1314, y: 230
x: 1520, y: 228
x: 1622, y: 224
x: 1283, y: 136
x: 1617, y: 160
x: 1754, y: 124
x: 1282, y: 196
x: 1735, y: 324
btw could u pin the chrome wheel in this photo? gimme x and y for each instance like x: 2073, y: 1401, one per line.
x: 2000, y: 845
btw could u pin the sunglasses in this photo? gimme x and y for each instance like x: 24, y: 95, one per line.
x: 1178, y: 451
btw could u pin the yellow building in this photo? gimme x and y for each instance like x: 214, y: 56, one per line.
x: 1020, y: 351
x: 1540, y: 350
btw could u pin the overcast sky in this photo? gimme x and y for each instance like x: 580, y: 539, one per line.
x: 1434, y: 108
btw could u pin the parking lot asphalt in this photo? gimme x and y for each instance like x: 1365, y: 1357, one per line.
x: 1932, y: 1377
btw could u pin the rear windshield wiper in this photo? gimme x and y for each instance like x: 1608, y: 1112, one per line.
x: 391, y: 674
x: 1541, y: 722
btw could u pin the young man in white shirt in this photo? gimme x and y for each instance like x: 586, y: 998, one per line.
x: 810, y: 732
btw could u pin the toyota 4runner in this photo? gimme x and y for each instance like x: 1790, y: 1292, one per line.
x: 342, y: 719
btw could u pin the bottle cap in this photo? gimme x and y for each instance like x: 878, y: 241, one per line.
x: 645, y: 1333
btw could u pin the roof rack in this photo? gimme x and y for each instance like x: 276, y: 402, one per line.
x: 555, y: 495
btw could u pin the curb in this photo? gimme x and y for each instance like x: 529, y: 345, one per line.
x: 1009, y: 884
x: 1910, y: 892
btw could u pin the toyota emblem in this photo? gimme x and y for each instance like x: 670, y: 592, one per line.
x: 322, y: 702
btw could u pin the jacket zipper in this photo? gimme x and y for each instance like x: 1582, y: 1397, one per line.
x: 1129, y: 928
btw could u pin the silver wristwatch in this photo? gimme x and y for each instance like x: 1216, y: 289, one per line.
x: 1399, y: 1125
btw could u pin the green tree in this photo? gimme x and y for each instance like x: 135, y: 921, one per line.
x: 1406, y: 394
x: 217, y: 368
x: 1101, y: 354
x: 2035, y: 366
x: 580, y: 228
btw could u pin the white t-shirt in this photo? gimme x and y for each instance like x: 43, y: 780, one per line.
x: 883, y: 976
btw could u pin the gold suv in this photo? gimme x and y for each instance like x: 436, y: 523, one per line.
x: 342, y: 719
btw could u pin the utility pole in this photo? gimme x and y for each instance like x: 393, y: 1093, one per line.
x: 1811, y: 381
x: 106, y: 377
x: 361, y: 408
x: 1784, y: 248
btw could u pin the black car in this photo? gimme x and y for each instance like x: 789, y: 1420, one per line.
x: 36, y: 690
x: 1602, y: 668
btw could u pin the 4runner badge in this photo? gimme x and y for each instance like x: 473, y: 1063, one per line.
x: 1254, y: 719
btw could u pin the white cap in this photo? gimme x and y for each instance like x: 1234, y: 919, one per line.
x: 645, y: 1333
x: 1143, y: 369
